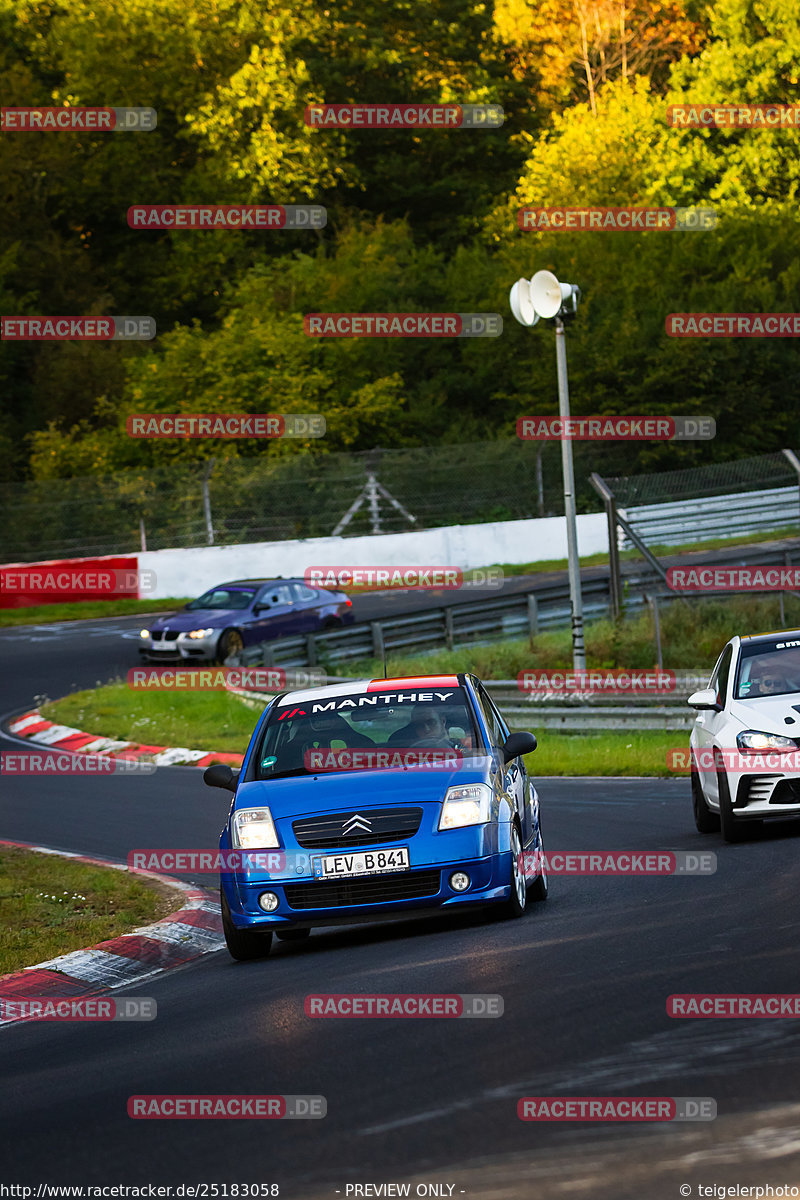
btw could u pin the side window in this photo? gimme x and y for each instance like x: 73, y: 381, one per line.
x: 278, y: 595
x: 305, y: 593
x: 492, y: 717
x: 719, y: 680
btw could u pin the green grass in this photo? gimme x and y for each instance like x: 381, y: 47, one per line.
x: 51, y: 905
x: 202, y: 720
x: 214, y: 721
x: 633, y: 753
x: 596, y: 560
x: 82, y: 610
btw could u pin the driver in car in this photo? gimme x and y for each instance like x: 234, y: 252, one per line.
x: 426, y: 725
x: 769, y: 682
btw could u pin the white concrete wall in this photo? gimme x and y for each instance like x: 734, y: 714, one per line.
x: 190, y: 572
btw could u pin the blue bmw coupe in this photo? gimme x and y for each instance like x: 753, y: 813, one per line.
x: 372, y: 800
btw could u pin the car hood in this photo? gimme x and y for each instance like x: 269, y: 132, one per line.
x: 199, y: 618
x: 767, y: 713
x: 307, y: 795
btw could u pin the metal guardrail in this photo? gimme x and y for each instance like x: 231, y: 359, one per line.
x: 713, y: 517
x: 484, y: 621
x: 476, y: 622
x: 473, y: 623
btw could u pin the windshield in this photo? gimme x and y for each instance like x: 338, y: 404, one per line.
x: 768, y: 669
x: 421, y: 720
x: 238, y: 598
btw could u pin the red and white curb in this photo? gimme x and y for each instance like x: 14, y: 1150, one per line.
x: 184, y: 935
x: 35, y: 728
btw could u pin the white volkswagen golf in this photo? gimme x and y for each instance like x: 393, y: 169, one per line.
x: 745, y: 743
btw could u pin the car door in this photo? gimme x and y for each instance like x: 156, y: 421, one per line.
x: 708, y: 724
x: 515, y: 778
x: 308, y: 604
x: 277, y: 614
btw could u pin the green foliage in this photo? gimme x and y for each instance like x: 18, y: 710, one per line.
x: 418, y: 221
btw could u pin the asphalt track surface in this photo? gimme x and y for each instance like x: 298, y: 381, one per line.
x: 584, y: 979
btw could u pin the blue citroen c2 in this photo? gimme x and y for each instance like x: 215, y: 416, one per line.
x: 373, y: 800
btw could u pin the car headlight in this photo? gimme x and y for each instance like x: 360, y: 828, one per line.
x: 144, y: 633
x: 200, y: 633
x: 752, y: 739
x: 254, y: 829
x: 466, y: 804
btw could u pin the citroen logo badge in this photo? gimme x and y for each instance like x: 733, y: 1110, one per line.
x: 357, y: 822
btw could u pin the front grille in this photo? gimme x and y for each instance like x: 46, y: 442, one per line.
x: 387, y: 825
x: 164, y: 635
x: 378, y: 889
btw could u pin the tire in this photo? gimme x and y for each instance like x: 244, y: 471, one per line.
x: 517, y: 903
x: 229, y: 643
x: 292, y: 935
x: 732, y: 830
x: 540, y: 888
x: 243, y: 944
x: 705, y: 820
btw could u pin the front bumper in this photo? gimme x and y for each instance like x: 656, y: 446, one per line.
x: 180, y: 649
x: 374, y: 898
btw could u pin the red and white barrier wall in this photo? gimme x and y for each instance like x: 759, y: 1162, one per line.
x: 162, y: 574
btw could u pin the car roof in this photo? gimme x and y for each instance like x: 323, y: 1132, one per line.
x: 259, y: 582
x: 768, y: 637
x: 372, y: 686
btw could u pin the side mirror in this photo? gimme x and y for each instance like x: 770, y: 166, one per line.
x: 705, y: 699
x: 220, y: 775
x: 259, y: 608
x: 517, y: 744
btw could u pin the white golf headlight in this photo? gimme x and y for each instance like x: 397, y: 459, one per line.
x: 752, y: 739
x: 200, y: 633
x: 466, y: 804
x: 254, y: 829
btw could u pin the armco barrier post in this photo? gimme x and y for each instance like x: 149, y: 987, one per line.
x: 533, y: 615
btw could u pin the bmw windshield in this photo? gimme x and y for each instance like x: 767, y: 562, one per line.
x: 298, y: 734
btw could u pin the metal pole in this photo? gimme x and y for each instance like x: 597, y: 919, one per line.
x: 578, y: 650
x: 540, y: 481
x: 207, y: 502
